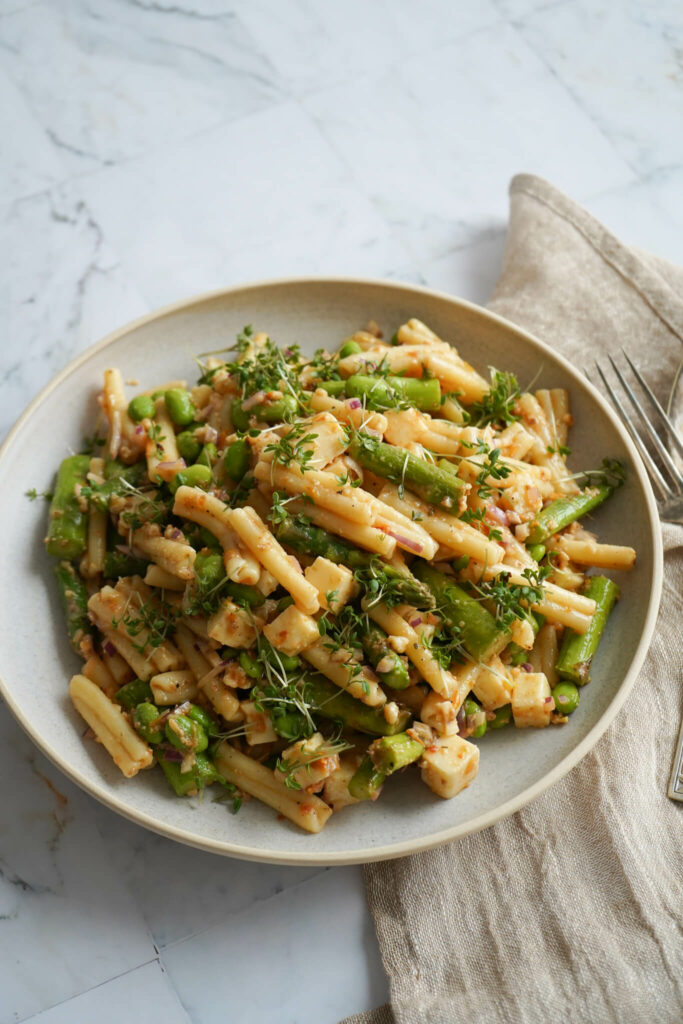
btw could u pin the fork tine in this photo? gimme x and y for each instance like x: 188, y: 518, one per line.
x: 650, y: 465
x: 666, y: 458
x: 678, y: 444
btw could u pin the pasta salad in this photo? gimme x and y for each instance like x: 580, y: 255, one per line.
x: 303, y: 575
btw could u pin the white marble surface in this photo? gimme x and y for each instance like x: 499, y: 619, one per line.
x: 152, y: 148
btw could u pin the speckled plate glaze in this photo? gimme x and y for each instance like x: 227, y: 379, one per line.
x: 36, y: 662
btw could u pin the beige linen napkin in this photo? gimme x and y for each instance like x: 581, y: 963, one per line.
x: 570, y: 910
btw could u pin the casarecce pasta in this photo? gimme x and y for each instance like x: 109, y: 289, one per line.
x: 303, y: 575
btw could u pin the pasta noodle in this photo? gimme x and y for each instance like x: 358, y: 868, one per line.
x: 306, y: 573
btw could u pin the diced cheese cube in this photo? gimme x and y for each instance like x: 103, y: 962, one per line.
x: 266, y: 582
x: 492, y: 685
x: 257, y: 724
x: 405, y: 427
x: 449, y: 765
x: 330, y: 441
x: 292, y: 631
x: 522, y: 634
x: 440, y: 713
x: 231, y: 626
x: 336, y: 787
x: 305, y: 765
x: 532, y: 702
x: 335, y: 583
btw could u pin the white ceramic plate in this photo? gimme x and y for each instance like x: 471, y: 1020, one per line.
x: 36, y: 661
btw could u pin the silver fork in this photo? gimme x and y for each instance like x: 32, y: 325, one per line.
x: 669, y: 487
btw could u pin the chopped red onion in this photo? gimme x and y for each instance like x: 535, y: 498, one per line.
x: 547, y: 700
x: 497, y: 514
x: 527, y: 666
x: 461, y: 720
x: 171, y: 754
x: 415, y: 622
x: 139, y: 430
x: 354, y: 403
x: 412, y: 545
x: 109, y: 648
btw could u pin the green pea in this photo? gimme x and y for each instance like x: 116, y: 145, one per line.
x: 194, y: 476
x: 208, y: 455
x: 250, y: 665
x: 185, y: 734
x: 460, y: 563
x: 472, y: 708
x: 143, y: 716
x: 207, y: 721
x: 236, y: 459
x: 349, y: 348
x: 141, y: 408
x: 566, y: 697
x: 228, y: 653
x: 503, y: 717
x: 179, y: 405
x: 537, y: 551
x: 188, y: 445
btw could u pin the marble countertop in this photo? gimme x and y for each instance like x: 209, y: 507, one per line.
x: 155, y: 148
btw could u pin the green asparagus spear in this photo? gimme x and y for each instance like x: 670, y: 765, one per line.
x: 74, y: 598
x: 384, y: 756
x: 390, y: 753
x: 267, y: 412
x: 67, y: 530
x: 386, y: 392
x: 303, y: 536
x: 331, y: 702
x: 376, y: 646
x: 482, y: 636
x: 429, y: 482
x: 306, y: 538
x: 333, y: 387
x: 367, y: 781
x: 116, y: 476
x: 560, y: 513
x: 576, y: 653
x: 118, y: 563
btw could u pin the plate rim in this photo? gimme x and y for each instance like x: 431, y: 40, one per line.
x: 419, y: 844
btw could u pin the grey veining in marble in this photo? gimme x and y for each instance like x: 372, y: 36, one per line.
x: 154, y: 148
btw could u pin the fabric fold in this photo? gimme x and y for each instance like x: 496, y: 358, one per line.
x: 571, y: 908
